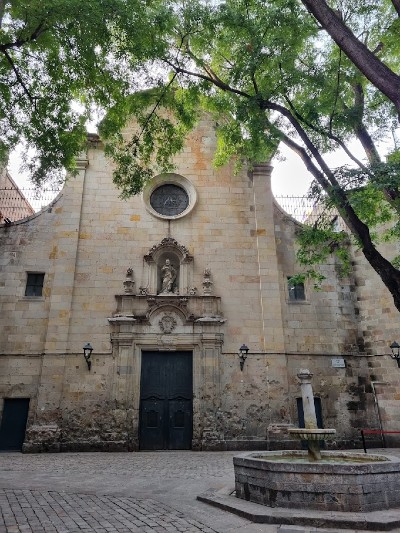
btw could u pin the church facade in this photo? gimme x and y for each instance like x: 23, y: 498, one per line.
x: 165, y: 288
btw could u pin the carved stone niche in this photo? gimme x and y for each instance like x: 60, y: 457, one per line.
x: 167, y: 309
x: 170, y: 268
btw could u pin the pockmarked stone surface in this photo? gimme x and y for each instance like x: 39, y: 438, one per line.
x: 31, y: 511
x: 233, y: 250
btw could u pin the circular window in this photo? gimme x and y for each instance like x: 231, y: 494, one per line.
x: 169, y: 196
x: 169, y: 200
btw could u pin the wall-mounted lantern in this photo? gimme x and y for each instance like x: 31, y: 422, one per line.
x: 243, y: 351
x: 395, y: 347
x: 87, y: 352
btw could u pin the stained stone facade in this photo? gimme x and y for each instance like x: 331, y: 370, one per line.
x: 196, y: 265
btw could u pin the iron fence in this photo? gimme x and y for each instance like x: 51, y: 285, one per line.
x: 16, y: 204
x: 310, y: 211
x: 20, y: 203
x: 301, y: 208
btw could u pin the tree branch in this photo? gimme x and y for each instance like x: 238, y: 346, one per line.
x: 2, y: 10
x: 373, y: 69
x: 308, y: 162
x: 360, y: 129
x: 329, y: 184
x: 156, y: 106
x: 19, y: 78
x: 18, y: 43
x: 396, y: 5
x: 329, y: 135
x: 368, y: 144
x: 214, y: 81
x: 336, y: 92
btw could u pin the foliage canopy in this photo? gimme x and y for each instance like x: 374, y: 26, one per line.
x: 269, y: 72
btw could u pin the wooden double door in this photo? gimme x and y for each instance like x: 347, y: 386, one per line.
x: 166, y: 401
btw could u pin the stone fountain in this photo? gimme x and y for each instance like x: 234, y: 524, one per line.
x: 310, y: 433
x: 321, y: 480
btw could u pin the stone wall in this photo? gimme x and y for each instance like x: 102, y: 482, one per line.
x: 378, y: 328
x: 86, y: 242
x: 326, y: 322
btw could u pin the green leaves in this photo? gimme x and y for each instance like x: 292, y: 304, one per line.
x: 160, y: 120
x: 60, y: 61
x: 319, y: 241
x: 265, y: 71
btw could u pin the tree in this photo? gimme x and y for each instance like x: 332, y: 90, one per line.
x: 366, y: 60
x: 263, y: 69
x: 268, y: 76
x: 60, y: 62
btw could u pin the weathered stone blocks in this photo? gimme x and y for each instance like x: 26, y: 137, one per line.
x: 341, y: 482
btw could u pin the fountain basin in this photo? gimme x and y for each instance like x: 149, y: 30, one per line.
x: 311, y: 434
x: 341, y: 481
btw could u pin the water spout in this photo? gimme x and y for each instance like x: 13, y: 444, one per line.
x: 311, y: 434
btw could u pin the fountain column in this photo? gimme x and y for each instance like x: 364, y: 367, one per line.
x: 310, y: 417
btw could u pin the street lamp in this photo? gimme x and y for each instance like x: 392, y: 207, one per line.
x: 243, y: 351
x: 395, y: 347
x: 87, y: 352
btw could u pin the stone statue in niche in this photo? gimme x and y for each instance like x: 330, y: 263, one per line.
x: 168, y: 277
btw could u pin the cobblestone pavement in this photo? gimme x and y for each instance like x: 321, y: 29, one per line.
x: 120, y: 493
x: 32, y: 511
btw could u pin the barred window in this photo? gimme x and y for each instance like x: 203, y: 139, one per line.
x: 296, y: 291
x: 34, y: 284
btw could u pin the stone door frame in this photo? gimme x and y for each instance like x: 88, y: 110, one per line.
x: 206, y: 349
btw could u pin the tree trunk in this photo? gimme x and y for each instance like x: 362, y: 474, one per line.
x: 396, y: 5
x: 373, y: 69
x: 2, y: 10
x: 386, y: 271
x: 367, y: 143
x: 360, y: 129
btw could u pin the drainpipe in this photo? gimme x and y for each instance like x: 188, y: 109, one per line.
x: 373, y: 383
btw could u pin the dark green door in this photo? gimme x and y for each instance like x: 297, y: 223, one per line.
x: 13, y: 423
x: 166, y: 401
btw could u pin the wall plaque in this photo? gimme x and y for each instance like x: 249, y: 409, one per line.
x: 338, y: 362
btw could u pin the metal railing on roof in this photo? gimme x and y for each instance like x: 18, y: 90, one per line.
x: 309, y: 211
x: 301, y: 208
x: 16, y: 204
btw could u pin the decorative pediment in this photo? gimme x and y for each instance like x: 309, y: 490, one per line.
x: 168, y: 244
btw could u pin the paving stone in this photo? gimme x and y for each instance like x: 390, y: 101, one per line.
x: 139, y: 515
x: 121, y: 493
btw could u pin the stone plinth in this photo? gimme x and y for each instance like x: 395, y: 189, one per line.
x: 353, y: 482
